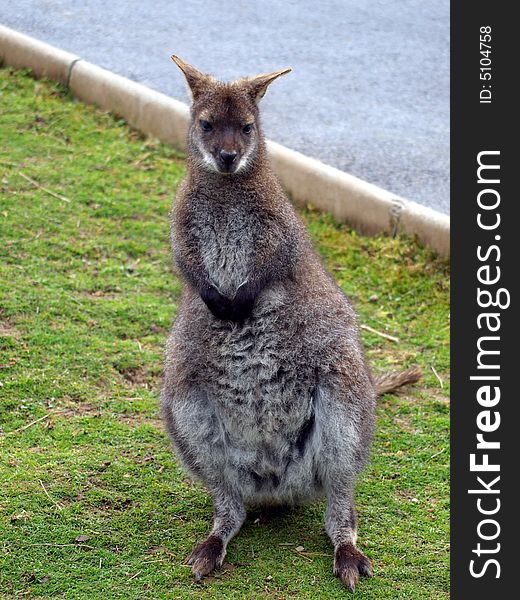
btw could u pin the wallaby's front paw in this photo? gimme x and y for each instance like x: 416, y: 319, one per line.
x: 243, y: 303
x: 226, y: 309
x: 349, y: 564
x: 207, y: 557
x: 220, y: 306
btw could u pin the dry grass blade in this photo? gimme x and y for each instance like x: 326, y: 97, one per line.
x: 44, y: 189
x: 64, y: 545
x: 28, y: 425
x: 380, y: 333
x: 438, y: 376
x: 56, y: 504
x: 302, y: 554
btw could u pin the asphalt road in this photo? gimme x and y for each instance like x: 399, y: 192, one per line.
x: 369, y: 93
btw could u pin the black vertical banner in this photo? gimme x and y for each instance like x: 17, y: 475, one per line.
x: 485, y: 426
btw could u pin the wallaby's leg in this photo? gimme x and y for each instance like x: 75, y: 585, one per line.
x: 229, y: 514
x: 341, y: 525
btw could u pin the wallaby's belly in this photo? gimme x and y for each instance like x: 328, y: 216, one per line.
x: 258, y: 407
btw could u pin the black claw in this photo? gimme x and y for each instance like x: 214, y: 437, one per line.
x: 365, y: 569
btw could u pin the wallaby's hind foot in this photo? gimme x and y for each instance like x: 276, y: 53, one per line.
x: 350, y: 564
x: 389, y: 382
x: 206, y: 557
x: 341, y: 525
x: 228, y: 517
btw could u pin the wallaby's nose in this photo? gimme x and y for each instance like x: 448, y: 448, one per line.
x: 228, y: 157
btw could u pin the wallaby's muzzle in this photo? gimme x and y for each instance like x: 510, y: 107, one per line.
x: 227, y: 161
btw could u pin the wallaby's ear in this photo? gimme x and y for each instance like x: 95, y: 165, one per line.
x: 197, y: 81
x: 258, y: 85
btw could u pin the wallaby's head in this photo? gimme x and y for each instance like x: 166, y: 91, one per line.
x: 224, y: 134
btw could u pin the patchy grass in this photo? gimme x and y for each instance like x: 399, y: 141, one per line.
x: 93, y: 504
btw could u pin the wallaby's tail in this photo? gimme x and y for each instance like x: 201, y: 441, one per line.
x: 392, y: 381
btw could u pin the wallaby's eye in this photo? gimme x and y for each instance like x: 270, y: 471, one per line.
x: 206, y: 125
x: 247, y: 128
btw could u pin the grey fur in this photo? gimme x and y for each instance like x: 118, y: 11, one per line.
x: 272, y: 404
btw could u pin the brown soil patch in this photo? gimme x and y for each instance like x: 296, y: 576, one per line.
x: 8, y: 330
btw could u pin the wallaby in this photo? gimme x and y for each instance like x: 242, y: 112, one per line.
x: 267, y: 396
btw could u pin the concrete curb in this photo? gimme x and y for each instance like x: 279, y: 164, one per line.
x: 366, y: 207
x: 22, y: 51
x: 151, y: 112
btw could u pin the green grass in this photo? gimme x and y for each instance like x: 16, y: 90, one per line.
x: 93, y: 504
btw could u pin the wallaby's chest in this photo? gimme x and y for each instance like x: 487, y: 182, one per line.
x: 226, y: 241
